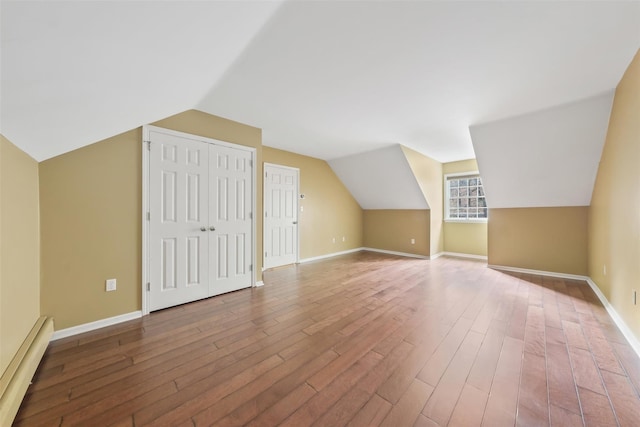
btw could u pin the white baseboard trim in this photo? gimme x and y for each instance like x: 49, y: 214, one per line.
x: 87, y: 327
x: 539, y: 272
x: 463, y: 255
x: 258, y: 284
x: 405, y: 254
x: 331, y: 255
x: 350, y: 251
x: 624, y: 328
x: 436, y: 256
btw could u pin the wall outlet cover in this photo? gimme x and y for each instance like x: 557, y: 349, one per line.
x: 110, y: 285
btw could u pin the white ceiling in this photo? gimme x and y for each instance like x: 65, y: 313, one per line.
x: 546, y: 158
x: 380, y: 179
x: 75, y: 72
x: 325, y: 79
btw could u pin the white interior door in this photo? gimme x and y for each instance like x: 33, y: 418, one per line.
x: 178, y: 233
x: 281, y: 185
x: 200, y: 233
x: 230, y: 211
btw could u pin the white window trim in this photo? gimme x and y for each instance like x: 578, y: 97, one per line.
x: 446, y: 200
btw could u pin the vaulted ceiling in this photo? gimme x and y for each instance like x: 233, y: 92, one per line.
x: 324, y: 79
x: 76, y: 72
x: 380, y: 179
x: 545, y: 158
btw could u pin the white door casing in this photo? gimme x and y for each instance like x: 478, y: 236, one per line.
x: 281, y: 188
x: 199, y: 232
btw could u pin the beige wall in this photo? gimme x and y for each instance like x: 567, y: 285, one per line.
x: 19, y: 249
x: 330, y: 211
x: 428, y: 173
x: 90, y: 206
x: 393, y: 229
x: 547, y: 239
x: 614, y: 215
x: 461, y: 166
x: 91, y: 220
x: 466, y: 238
x: 469, y: 237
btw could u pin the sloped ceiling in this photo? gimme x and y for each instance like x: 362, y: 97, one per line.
x: 325, y: 79
x: 76, y: 72
x: 546, y: 158
x: 330, y: 79
x: 380, y: 179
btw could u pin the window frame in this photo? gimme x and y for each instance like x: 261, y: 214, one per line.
x: 447, y: 193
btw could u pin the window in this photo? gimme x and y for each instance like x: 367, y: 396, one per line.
x: 464, y: 197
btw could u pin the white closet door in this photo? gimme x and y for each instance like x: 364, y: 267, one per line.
x: 280, y: 215
x: 230, y: 210
x: 178, y: 225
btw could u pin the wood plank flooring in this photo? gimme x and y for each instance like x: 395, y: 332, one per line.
x: 361, y: 340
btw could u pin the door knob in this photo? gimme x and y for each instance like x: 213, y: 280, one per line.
x: 212, y: 228
x: 203, y: 228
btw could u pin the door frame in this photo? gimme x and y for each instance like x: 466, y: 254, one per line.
x: 297, y: 208
x: 145, y: 144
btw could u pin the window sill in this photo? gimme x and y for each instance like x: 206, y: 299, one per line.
x: 467, y: 221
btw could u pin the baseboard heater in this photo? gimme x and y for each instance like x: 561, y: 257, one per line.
x: 16, y: 378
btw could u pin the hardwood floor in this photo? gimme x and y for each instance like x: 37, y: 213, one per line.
x: 361, y: 340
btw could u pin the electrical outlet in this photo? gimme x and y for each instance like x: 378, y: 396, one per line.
x: 334, y: 240
x: 413, y: 241
x: 604, y: 269
x: 301, y: 208
x: 344, y: 239
x: 110, y: 285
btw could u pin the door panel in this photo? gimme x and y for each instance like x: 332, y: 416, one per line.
x: 178, y: 194
x: 281, y: 215
x: 168, y: 263
x: 230, y: 207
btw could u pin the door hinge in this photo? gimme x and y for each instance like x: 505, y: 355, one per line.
x: 265, y: 254
x: 148, y: 145
x: 250, y: 215
x: 148, y: 286
x: 265, y: 174
x: 250, y: 163
x: 250, y: 267
x: 148, y: 216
